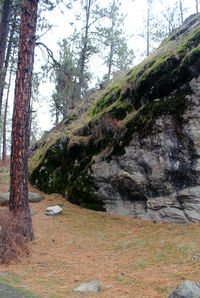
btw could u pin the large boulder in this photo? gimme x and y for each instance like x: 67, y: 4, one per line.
x: 136, y: 149
x: 188, y: 289
x: 35, y: 197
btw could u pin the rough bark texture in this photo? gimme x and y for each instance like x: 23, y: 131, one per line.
x: 21, y: 116
x: 3, y: 38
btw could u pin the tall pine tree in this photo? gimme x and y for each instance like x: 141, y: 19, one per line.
x: 18, y: 203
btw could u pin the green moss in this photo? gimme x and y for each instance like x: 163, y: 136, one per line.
x: 156, y: 76
x: 137, y: 100
x: 120, y: 111
x: 154, y: 82
x: 82, y: 193
x: 70, y: 119
x: 108, y: 98
x: 67, y: 171
x: 148, y: 114
x: 143, y: 120
x: 190, y: 44
x: 189, y: 22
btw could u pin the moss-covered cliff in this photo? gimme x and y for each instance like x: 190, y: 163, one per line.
x: 129, y: 108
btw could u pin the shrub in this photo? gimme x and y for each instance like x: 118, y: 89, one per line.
x: 108, y: 127
x: 13, y: 245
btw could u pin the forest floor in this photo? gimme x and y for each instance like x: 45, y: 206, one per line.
x: 129, y: 257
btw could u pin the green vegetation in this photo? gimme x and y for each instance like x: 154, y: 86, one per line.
x: 108, y: 98
x: 130, y: 104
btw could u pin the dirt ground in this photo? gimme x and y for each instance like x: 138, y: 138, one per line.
x: 129, y: 257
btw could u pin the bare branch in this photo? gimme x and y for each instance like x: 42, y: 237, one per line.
x: 50, y: 54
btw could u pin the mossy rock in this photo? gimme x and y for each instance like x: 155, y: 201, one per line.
x: 131, y: 103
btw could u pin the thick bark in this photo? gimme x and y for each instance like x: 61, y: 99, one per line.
x: 3, y: 39
x: 18, y: 203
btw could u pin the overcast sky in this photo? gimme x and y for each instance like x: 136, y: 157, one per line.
x: 136, y: 13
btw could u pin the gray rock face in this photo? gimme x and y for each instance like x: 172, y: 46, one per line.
x: 157, y: 177
x: 92, y: 286
x: 188, y: 289
x: 53, y: 210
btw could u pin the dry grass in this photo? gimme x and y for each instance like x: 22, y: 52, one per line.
x: 129, y: 257
x: 13, y: 245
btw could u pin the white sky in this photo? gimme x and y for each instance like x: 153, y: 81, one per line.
x: 136, y: 12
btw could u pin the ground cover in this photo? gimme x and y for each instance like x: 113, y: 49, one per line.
x: 129, y: 257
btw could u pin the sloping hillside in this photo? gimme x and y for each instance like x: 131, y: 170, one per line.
x: 133, y: 148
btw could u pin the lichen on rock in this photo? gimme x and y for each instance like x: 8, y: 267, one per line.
x: 136, y: 149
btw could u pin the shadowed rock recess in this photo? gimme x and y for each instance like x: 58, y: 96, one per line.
x: 134, y: 147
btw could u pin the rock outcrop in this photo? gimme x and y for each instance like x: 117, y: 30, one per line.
x: 135, y: 150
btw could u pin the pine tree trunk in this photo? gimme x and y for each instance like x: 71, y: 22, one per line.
x: 85, y: 47
x: 18, y: 203
x: 10, y: 43
x: 57, y: 117
x: 148, y: 28
x: 3, y: 39
x: 197, y: 6
x: 31, y: 116
x: 110, y: 63
x: 181, y: 11
x: 5, y: 117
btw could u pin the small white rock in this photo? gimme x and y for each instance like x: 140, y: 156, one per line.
x: 53, y: 210
x: 92, y: 286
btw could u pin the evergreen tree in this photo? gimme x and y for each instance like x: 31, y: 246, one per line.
x: 66, y: 81
x: 33, y: 123
x: 159, y: 25
x: 4, y: 152
x: 4, y: 24
x: 171, y: 17
x: 18, y: 203
x: 90, y: 17
x: 117, y: 57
